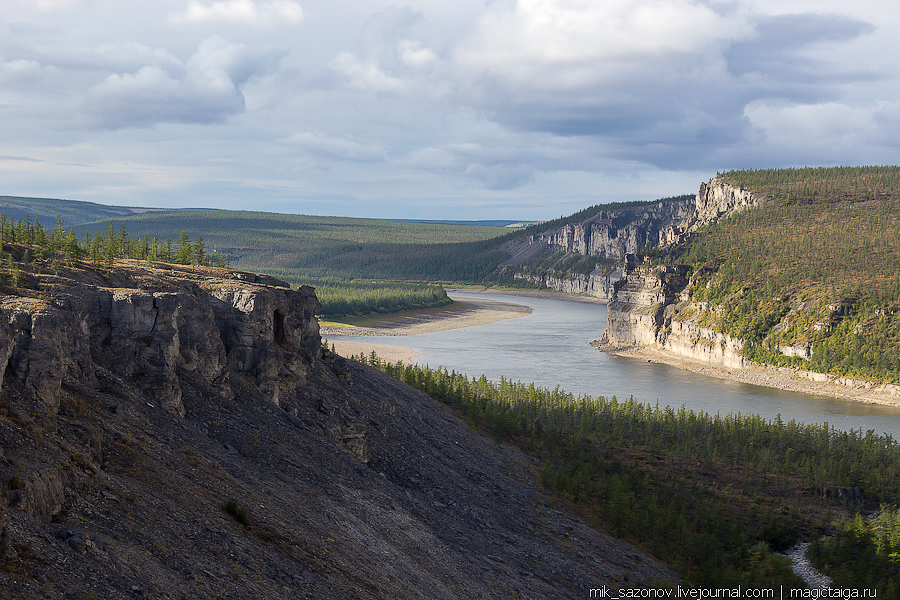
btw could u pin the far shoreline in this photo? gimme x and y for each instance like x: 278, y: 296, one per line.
x: 530, y: 293
x: 781, y: 378
x: 466, y: 312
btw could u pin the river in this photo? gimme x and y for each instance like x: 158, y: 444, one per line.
x: 550, y: 347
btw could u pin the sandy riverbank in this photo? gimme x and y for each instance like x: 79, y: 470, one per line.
x: 462, y: 313
x: 774, y: 377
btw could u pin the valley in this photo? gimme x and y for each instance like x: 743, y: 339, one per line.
x: 199, y: 338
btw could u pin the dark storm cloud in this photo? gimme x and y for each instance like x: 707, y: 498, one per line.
x: 779, y: 48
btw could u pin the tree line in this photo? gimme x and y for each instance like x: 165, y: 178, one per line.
x: 341, y: 298
x: 716, y: 496
x: 102, y: 248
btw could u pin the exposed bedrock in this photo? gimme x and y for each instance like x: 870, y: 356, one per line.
x: 180, y: 432
x: 613, y: 234
x: 208, y: 327
x: 651, y: 308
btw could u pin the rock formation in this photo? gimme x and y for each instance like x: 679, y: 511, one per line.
x: 651, y: 306
x: 612, y: 234
x: 177, y: 432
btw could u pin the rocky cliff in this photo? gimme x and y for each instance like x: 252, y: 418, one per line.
x: 610, y: 235
x: 597, y: 284
x: 146, y: 325
x: 651, y: 304
x: 651, y: 307
x: 176, y: 432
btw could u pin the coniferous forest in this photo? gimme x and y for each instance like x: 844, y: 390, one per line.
x: 339, y: 297
x: 718, y: 497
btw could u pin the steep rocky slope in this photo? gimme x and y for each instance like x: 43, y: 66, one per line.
x: 610, y: 235
x: 806, y: 284
x: 138, y: 404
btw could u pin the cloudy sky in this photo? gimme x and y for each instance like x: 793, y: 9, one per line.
x: 522, y: 109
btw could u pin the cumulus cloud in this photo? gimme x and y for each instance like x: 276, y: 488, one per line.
x: 835, y: 126
x: 205, y: 89
x: 412, y: 54
x: 664, y: 82
x: 384, y: 29
x: 248, y: 12
x: 383, y: 52
x: 366, y: 75
x: 19, y: 69
x: 624, y: 70
x: 572, y: 44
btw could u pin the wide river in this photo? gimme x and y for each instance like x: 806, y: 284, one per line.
x: 550, y: 347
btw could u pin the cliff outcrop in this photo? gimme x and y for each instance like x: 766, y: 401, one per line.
x: 611, y: 235
x: 177, y: 432
x: 146, y: 325
x: 652, y: 307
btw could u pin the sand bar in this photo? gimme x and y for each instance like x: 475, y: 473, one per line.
x: 462, y: 313
x: 349, y: 348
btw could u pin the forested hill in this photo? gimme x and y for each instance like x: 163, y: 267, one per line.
x: 72, y: 212
x: 811, y: 277
x: 300, y: 246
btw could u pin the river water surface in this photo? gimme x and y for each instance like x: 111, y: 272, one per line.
x: 550, y: 347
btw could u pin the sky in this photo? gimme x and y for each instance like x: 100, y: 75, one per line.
x: 463, y: 109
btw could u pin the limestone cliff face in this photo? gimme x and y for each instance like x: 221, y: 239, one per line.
x: 651, y: 307
x: 598, y: 284
x: 613, y: 234
x: 204, y: 325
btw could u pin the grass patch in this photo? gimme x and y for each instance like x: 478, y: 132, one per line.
x: 335, y: 324
x: 237, y: 512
